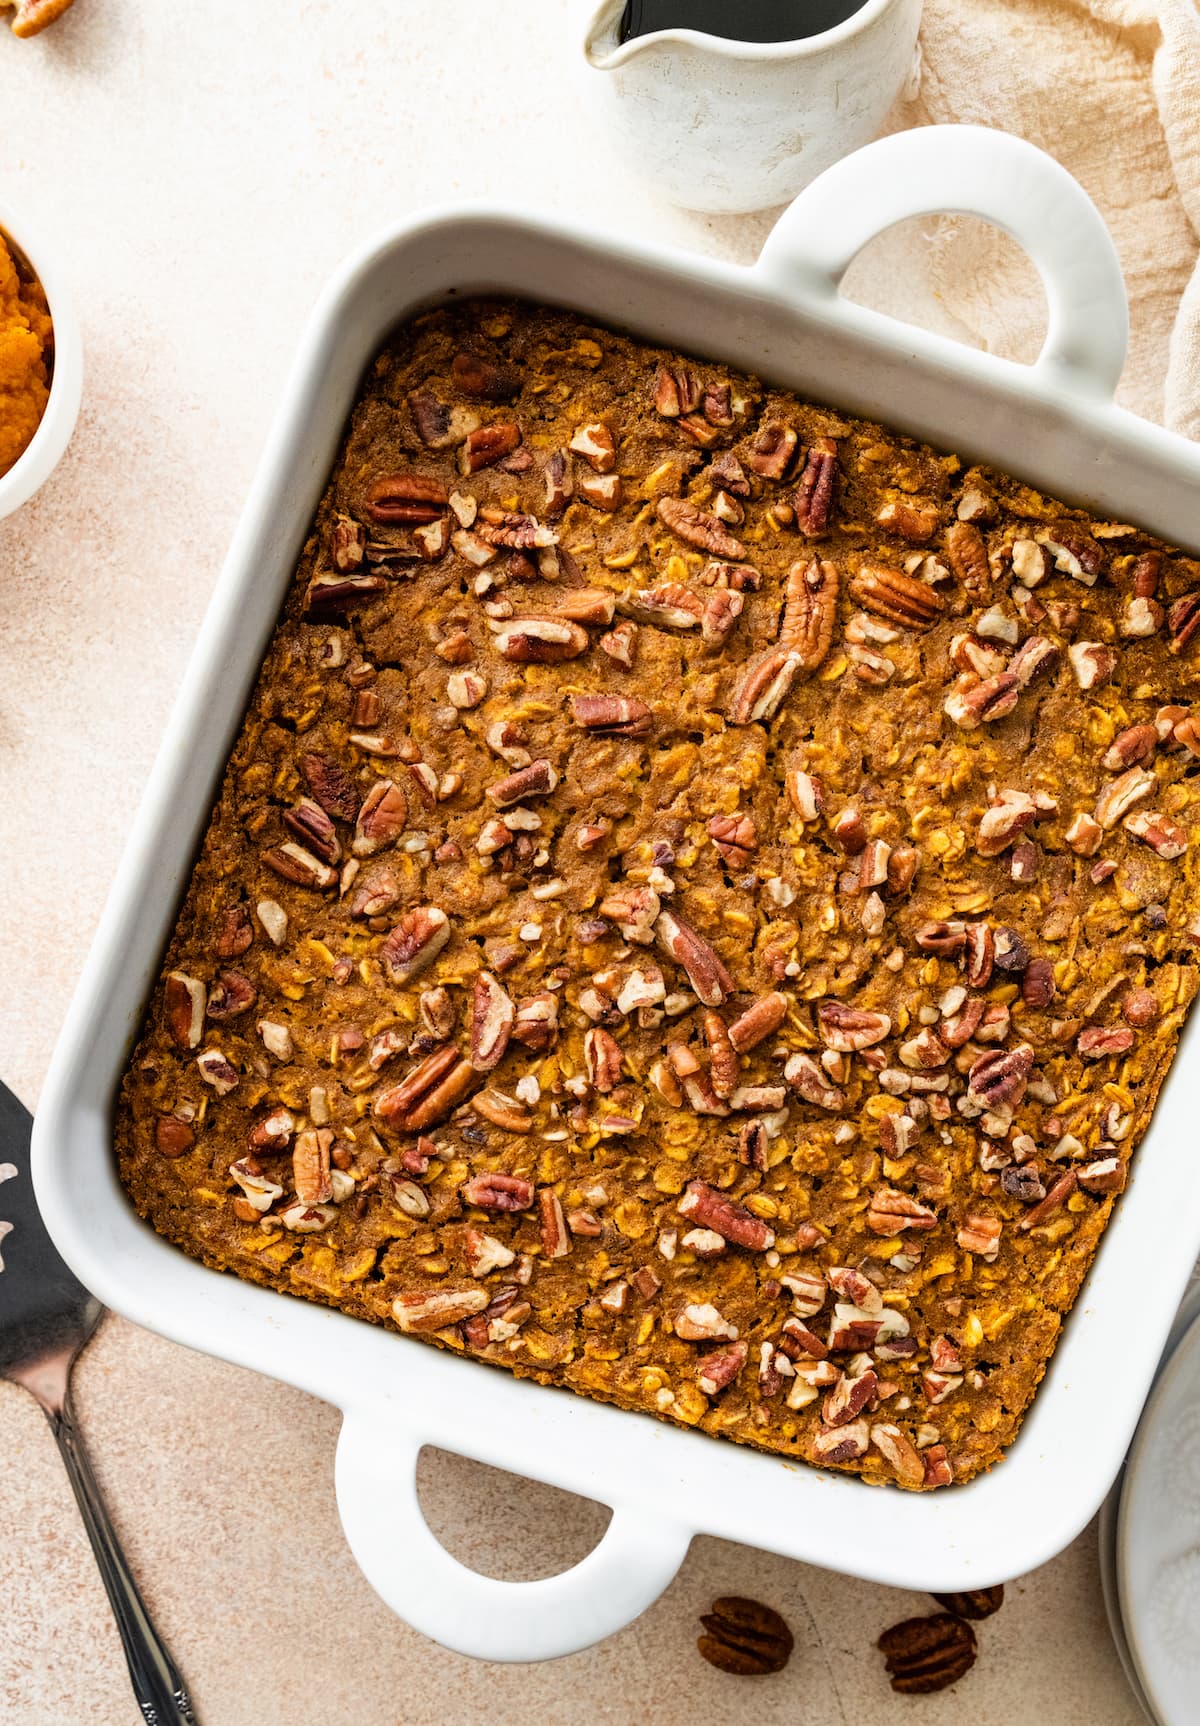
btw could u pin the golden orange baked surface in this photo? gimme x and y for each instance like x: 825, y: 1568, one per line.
x: 25, y: 338
x: 700, y: 906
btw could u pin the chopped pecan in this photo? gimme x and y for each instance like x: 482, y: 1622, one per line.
x: 1157, y: 831
x: 701, y: 1322
x: 1092, y: 662
x: 497, y: 1192
x: 1076, y: 554
x: 998, y: 1079
x: 813, y: 498
x: 733, y: 1222
x: 764, y: 684
x: 676, y: 392
x: 718, y: 1369
x: 900, y: 598
x: 556, y: 1239
x: 331, y: 786
x: 900, y: 1452
x: 218, y: 1072
x: 759, y: 1020
x: 231, y: 995
x: 487, y: 445
x: 841, y: 1443
x: 980, y: 1234
x: 415, y: 942
x: 890, y: 1212
x: 1119, y: 796
x: 1099, y: 1041
x: 439, y: 426
x: 597, y: 445
x: 910, y: 519
x: 706, y: 973
x: 1058, y: 1194
x: 810, y: 1082
x: 1035, y: 655
x: 602, y: 1058
x: 1002, y: 824
x: 293, y: 863
x: 184, y: 1000
x: 723, y: 1069
x: 492, y: 1018
x: 538, y: 779
x: 770, y: 451
x: 851, y: 1028
x: 502, y: 1111
x: 695, y: 527
x: 426, y: 1310
x: 334, y: 594
x: 1183, y: 620
x: 540, y: 640
x: 970, y: 705
x: 429, y: 1093
x: 852, y: 1393
x: 735, y: 837
x: 311, y: 1166
x: 313, y: 828
x: 536, y: 1022
x: 634, y: 910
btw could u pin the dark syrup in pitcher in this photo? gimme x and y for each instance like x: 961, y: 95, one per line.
x: 738, y: 20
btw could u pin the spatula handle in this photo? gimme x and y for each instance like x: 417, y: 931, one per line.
x: 157, y: 1684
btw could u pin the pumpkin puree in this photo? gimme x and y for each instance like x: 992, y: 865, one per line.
x: 24, y: 350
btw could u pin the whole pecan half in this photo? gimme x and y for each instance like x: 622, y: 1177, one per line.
x: 759, y: 1020
x: 809, y: 611
x: 900, y: 598
x: 744, y: 1637
x: 406, y: 499
x: 693, y: 525
x: 968, y: 557
x: 998, y: 1079
x: 927, y: 1654
x: 974, y: 1603
x: 813, y: 499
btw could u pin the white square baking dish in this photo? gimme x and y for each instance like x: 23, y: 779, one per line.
x: 1054, y: 423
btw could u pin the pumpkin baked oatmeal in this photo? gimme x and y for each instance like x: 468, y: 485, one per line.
x: 700, y: 907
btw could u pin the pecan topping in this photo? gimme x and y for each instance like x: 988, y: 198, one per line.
x: 1132, y: 747
x: 481, y: 378
x: 909, y: 519
x: 676, y: 392
x: 695, y: 527
x: 1004, y: 822
x: 230, y: 995
x: 1118, y: 798
x: 334, y: 595
x: 706, y: 973
x: 602, y: 1058
x: 851, y: 1028
x: 488, y: 445
x: 415, y: 942
x: 1092, y: 663
x: 700, y: 1323
x: 497, y: 1192
x: 216, y: 1071
x: 540, y: 640
x: 591, y: 605
x: 596, y: 444
x: 983, y: 703
x: 313, y: 828
x: 928, y: 1654
x: 1183, y: 620
x: 760, y: 1020
x: 763, y: 685
x: 744, y: 1637
x: 735, y: 837
x: 898, y: 1450
x: 900, y: 598
x: 380, y: 820
x: 1158, y: 832
x: 331, y: 786
x: 998, y: 1079
x: 718, y: 1369
x: 634, y: 910
x: 733, y: 1222
x: 538, y: 779
x: 809, y: 611
x: 407, y: 499
x: 771, y: 449
x: 492, y: 1017
x: 505, y: 527
x: 891, y: 1212
x: 1076, y: 554
x: 184, y: 1000
x: 439, y: 426
x: 311, y: 1166
x: 556, y: 1239
x: 968, y: 557
x: 294, y: 863
x: 1099, y: 1041
x: 841, y: 1443
x: 813, y: 499
x: 429, y: 1093
x: 426, y: 1310
x: 621, y: 714
x: 809, y: 1081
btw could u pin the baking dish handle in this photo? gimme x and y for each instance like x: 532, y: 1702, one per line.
x: 409, y: 1568
x: 967, y: 170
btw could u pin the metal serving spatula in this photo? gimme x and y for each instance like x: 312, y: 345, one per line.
x: 46, y: 1316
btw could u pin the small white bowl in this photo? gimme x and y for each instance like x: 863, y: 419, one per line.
x: 53, y: 434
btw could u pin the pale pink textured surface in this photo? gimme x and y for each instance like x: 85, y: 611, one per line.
x: 204, y: 169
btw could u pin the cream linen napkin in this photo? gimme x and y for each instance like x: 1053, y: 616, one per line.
x: 1111, y: 88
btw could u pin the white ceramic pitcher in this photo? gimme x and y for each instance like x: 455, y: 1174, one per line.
x: 726, y: 126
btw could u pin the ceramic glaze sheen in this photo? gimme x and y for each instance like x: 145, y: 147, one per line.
x: 724, y: 125
x: 1053, y: 423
